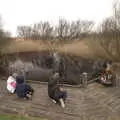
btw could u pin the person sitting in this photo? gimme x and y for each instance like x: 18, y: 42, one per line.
x: 55, y: 91
x: 11, y: 83
x: 60, y: 96
x: 107, y: 72
x: 23, y: 90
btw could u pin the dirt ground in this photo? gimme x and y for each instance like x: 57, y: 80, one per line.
x: 92, y: 103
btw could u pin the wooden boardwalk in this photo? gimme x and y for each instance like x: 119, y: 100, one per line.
x: 93, y: 103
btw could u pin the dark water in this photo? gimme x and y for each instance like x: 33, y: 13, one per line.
x: 39, y: 66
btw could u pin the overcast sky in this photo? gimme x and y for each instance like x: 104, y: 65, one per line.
x: 16, y: 12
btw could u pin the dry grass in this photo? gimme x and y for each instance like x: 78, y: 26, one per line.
x: 26, y: 46
x: 86, y: 48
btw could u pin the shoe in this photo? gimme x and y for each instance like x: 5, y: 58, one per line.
x: 54, y: 101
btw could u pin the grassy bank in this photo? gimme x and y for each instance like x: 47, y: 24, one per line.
x: 86, y: 48
x: 13, y: 117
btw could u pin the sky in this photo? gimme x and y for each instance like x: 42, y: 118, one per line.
x: 26, y: 12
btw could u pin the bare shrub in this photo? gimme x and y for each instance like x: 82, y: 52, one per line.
x: 4, y: 40
x: 65, y: 30
x: 110, y: 33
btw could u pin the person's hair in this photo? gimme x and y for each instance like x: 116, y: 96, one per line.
x: 15, y: 75
x: 10, y: 74
x: 20, y: 79
x: 59, y: 86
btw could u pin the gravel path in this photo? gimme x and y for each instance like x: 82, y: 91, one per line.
x: 93, y: 103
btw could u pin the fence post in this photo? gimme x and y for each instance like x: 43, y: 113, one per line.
x: 84, y: 79
x: 117, y: 80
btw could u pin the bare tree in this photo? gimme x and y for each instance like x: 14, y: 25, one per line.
x: 62, y: 29
x: 24, y: 31
x: 79, y: 28
x: 4, y: 36
x: 46, y: 30
x: 106, y: 35
x: 4, y: 40
x: 110, y: 32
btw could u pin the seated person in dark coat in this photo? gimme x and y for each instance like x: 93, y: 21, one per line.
x: 23, y: 90
x: 60, y: 95
x: 55, y: 91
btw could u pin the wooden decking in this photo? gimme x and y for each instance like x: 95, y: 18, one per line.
x: 92, y: 103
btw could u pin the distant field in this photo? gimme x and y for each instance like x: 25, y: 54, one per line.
x: 85, y: 48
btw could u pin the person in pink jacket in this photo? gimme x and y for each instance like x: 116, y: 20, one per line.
x: 11, y: 83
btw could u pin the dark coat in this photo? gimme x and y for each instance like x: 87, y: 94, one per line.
x: 52, y: 84
x: 23, y: 89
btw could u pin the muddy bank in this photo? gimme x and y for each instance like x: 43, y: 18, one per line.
x: 39, y: 66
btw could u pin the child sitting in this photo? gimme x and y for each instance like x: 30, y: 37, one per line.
x: 23, y: 90
x: 11, y: 83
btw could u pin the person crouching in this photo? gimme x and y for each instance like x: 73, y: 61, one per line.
x: 23, y: 90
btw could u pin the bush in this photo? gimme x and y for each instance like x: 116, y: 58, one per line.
x: 4, y: 40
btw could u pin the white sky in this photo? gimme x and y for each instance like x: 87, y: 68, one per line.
x: 25, y: 12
